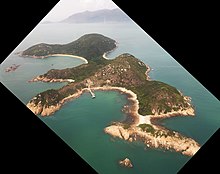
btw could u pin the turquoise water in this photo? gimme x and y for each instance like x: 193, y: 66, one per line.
x: 80, y: 123
x: 17, y: 81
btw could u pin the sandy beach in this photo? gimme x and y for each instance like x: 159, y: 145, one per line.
x: 108, y: 52
x: 54, y: 55
x: 105, y: 56
x: 68, y: 55
x: 133, y: 108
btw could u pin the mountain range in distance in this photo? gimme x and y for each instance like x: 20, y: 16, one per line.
x: 98, y: 16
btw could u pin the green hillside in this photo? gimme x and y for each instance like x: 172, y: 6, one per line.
x: 89, y: 46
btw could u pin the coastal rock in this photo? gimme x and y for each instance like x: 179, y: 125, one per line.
x: 157, y: 138
x: 48, y: 80
x: 44, y: 111
x: 114, y: 131
x: 183, y: 112
x: 124, y: 134
x: 50, y: 110
x: 36, y: 109
x: 117, y: 131
x: 126, y: 163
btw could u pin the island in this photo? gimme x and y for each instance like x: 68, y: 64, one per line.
x: 12, y: 68
x: 126, y: 163
x: 98, y: 16
x: 148, y: 100
x: 89, y: 46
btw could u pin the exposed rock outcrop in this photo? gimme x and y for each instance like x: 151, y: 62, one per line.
x: 126, y: 163
x: 156, y: 137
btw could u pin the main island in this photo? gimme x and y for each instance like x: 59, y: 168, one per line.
x: 148, y: 100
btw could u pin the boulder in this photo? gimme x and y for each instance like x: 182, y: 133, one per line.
x: 126, y: 163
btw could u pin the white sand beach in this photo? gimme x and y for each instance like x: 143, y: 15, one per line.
x: 68, y: 55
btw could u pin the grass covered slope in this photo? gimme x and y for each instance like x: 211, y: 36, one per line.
x: 125, y: 71
x: 89, y: 46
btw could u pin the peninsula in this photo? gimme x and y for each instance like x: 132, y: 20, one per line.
x: 148, y: 99
x: 89, y: 46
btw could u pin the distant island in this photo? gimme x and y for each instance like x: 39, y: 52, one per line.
x: 148, y: 99
x: 98, y: 16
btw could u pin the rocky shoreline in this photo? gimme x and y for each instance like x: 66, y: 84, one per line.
x: 47, y: 80
x: 158, y: 138
x: 126, y: 163
x: 132, y: 110
x: 39, y: 109
x: 161, y: 138
x: 147, y: 72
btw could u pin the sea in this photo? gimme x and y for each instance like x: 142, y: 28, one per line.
x: 81, y: 122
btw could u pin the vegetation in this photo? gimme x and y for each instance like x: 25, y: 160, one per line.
x: 147, y: 128
x: 48, y: 98
x: 126, y: 126
x: 158, y: 97
x: 89, y: 46
x: 77, y: 73
x: 124, y: 71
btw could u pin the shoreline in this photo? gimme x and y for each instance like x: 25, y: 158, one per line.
x: 140, y: 127
x: 147, y: 72
x: 132, y: 110
x: 108, y: 52
x: 54, y: 55
x: 46, y: 80
x: 69, y: 55
x: 133, y: 107
x: 131, y: 96
x: 159, y: 138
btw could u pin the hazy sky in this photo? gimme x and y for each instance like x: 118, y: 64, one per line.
x: 65, y: 8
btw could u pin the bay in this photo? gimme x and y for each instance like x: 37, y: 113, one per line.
x: 81, y: 122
